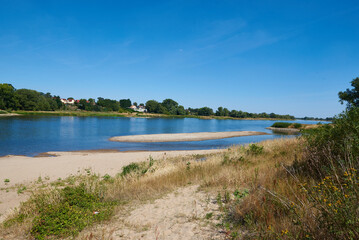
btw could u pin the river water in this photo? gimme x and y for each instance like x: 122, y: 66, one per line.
x: 30, y: 136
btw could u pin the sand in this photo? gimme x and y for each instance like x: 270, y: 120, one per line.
x: 184, y: 137
x: 24, y: 170
x: 179, y: 215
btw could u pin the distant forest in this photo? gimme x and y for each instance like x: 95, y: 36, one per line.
x: 31, y: 100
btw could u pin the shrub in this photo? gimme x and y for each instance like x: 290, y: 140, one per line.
x: 255, y: 149
x: 76, y: 209
x: 333, y: 148
x: 281, y: 124
x: 297, y: 125
x: 132, y: 167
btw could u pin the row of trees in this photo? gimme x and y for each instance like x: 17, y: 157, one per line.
x: 26, y: 99
x: 169, y: 106
x: 31, y: 100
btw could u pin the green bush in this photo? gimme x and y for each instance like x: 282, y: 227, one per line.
x: 333, y: 147
x: 76, y: 209
x: 255, y: 149
x: 281, y: 124
x: 297, y: 125
x: 132, y: 167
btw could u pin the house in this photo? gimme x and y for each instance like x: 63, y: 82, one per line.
x: 67, y: 101
x: 138, y: 109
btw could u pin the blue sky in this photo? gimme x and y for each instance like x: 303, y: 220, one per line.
x: 287, y: 57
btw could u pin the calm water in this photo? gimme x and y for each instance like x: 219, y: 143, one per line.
x: 34, y: 135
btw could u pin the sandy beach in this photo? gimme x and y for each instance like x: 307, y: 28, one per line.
x: 184, y: 137
x: 24, y: 170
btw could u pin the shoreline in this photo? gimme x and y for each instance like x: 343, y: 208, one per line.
x: 135, y: 115
x: 184, y: 137
x: 21, y: 169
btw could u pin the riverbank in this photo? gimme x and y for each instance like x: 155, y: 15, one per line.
x: 20, y: 171
x: 128, y: 114
x: 172, y: 195
x: 184, y: 137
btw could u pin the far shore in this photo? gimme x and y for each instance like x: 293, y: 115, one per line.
x: 131, y: 114
x: 184, y: 137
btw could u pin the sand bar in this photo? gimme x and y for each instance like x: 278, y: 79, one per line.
x: 183, y: 137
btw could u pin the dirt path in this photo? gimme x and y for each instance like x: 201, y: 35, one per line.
x: 179, y: 215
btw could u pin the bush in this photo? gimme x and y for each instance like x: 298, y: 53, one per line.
x: 297, y: 125
x: 76, y: 209
x: 255, y: 149
x: 333, y: 148
x: 281, y: 124
x: 132, y: 167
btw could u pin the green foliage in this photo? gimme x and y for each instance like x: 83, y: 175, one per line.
x: 255, y: 149
x: 330, y: 147
x: 77, y: 209
x: 209, y: 215
x: 132, y: 167
x: 238, y: 195
x: 108, y: 104
x: 205, y: 111
x: 281, y: 124
x: 336, y: 199
x: 351, y: 96
x: 297, y: 125
x: 6, y: 180
x: 125, y: 103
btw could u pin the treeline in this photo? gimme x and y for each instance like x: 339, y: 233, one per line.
x: 31, y: 100
x: 26, y: 99
x: 171, y: 107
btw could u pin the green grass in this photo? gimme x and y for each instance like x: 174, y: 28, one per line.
x: 3, y: 112
x: 77, y: 209
x: 281, y: 124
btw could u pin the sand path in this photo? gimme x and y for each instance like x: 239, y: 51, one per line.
x: 178, y: 215
x: 184, y: 137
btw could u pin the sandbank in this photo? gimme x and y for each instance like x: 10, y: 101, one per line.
x: 184, y: 137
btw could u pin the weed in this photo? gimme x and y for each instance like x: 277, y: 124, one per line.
x: 6, y: 180
x: 132, y: 167
x: 209, y: 215
x: 21, y: 190
x: 255, y: 149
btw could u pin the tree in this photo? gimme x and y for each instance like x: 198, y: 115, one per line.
x: 7, y: 96
x: 152, y: 106
x: 205, y: 111
x: 125, y: 103
x: 219, y: 111
x: 135, y: 104
x: 170, y: 104
x: 351, y: 96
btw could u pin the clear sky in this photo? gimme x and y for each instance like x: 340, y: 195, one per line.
x: 288, y: 57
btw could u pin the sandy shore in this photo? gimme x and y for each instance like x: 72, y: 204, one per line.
x: 24, y: 170
x: 184, y: 137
